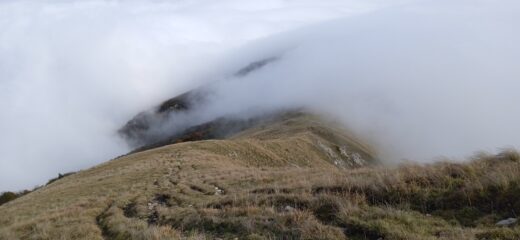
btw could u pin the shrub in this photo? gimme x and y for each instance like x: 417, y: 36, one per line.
x: 60, y: 176
x: 7, y: 197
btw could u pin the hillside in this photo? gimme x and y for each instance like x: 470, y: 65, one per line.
x: 295, y: 176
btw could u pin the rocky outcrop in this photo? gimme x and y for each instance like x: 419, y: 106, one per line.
x: 139, y: 131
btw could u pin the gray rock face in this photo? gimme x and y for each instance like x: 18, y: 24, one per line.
x: 342, y: 157
x: 507, y: 222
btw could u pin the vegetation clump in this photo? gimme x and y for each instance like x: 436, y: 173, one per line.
x: 7, y: 196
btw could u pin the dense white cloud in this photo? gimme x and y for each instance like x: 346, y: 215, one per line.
x: 72, y: 72
x: 417, y: 80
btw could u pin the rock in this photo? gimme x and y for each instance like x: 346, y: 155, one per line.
x: 288, y: 208
x: 233, y: 154
x: 327, y: 150
x: 507, y: 222
x: 218, y: 191
x: 356, y: 158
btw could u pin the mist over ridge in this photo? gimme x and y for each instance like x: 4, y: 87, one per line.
x: 72, y: 72
x: 417, y: 80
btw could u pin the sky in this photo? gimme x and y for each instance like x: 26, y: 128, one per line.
x: 417, y: 79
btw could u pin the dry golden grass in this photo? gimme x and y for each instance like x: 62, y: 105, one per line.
x: 292, y: 179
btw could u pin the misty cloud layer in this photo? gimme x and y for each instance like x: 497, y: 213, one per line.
x: 416, y: 80
x: 72, y: 72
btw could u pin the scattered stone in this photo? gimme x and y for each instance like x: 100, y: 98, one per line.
x: 218, y: 191
x: 357, y: 159
x: 507, y: 222
x: 343, y: 151
x: 288, y: 208
x: 327, y: 150
x: 344, y: 158
x: 233, y: 154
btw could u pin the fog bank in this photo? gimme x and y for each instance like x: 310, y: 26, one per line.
x: 418, y: 82
x: 416, y: 79
x: 72, y: 72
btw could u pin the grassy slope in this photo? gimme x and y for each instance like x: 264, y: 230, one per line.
x: 297, y: 178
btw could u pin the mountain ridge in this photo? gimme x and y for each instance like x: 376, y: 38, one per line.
x: 295, y: 140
